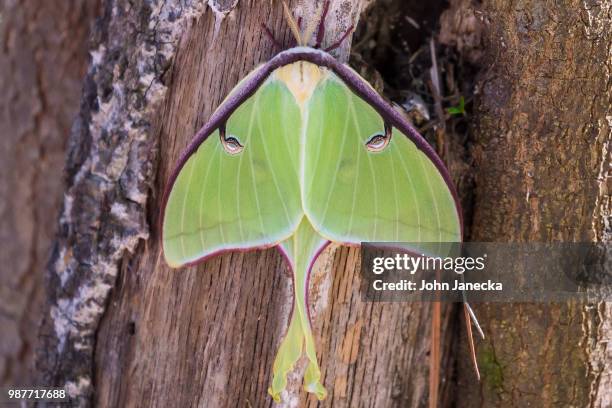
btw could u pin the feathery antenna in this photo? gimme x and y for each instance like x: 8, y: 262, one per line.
x: 321, y: 30
x: 292, y: 24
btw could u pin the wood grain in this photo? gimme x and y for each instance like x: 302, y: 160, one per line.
x: 121, y: 328
x: 207, y: 335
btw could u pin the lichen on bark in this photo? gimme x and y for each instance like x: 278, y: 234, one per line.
x: 111, y: 163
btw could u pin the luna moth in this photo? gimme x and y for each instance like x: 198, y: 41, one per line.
x: 301, y: 153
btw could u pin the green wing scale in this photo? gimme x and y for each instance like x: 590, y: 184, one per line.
x: 223, y: 201
x: 354, y: 194
x: 303, y: 153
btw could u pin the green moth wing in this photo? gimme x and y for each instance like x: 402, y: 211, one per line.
x: 300, y: 250
x: 303, y: 152
x: 223, y: 199
x: 365, y: 180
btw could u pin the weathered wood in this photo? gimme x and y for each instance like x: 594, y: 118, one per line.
x: 542, y: 168
x: 123, y: 324
x: 110, y: 167
x: 43, y: 55
x: 208, y: 335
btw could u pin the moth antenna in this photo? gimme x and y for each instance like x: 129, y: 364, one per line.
x: 292, y: 24
x: 321, y: 29
x: 313, y: 24
x: 468, y: 323
x: 271, y: 35
x: 339, y: 42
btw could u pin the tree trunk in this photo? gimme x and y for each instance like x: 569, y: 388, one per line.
x: 122, y: 323
x: 542, y: 160
x: 43, y: 57
x: 122, y: 329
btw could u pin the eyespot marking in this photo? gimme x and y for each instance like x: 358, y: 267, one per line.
x: 379, y: 141
x: 230, y: 143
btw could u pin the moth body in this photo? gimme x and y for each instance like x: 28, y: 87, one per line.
x: 304, y: 152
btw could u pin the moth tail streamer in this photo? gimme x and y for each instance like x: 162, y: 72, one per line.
x: 288, y: 354
x: 296, y: 341
x: 301, y: 249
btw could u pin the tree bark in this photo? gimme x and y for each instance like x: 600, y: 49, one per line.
x: 542, y: 171
x: 43, y: 54
x: 122, y: 329
x: 122, y: 323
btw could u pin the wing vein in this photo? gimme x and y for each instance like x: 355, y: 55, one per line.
x: 219, y: 206
x: 184, y: 207
x: 250, y: 133
x: 335, y: 176
x: 238, y: 190
x: 433, y: 198
x: 414, y: 195
x: 274, y: 179
x: 354, y: 198
x: 371, y: 166
x: 312, y: 181
x: 201, y: 206
x: 395, y: 196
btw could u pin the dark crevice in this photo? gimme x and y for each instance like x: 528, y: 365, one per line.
x: 394, y: 55
x: 392, y: 50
